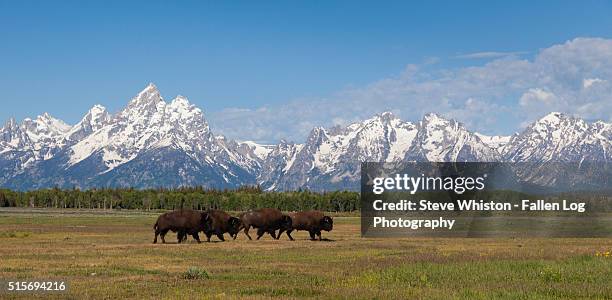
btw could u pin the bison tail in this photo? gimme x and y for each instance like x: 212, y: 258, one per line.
x: 155, y: 226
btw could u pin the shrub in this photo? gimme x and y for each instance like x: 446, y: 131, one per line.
x: 195, y: 273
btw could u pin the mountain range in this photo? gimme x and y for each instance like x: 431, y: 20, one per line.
x: 154, y: 143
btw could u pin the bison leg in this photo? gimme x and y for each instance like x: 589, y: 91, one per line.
x: 221, y: 237
x: 184, y: 236
x: 312, y: 235
x: 196, y: 237
x: 208, y: 235
x: 246, y: 231
x: 273, y: 234
x: 260, y: 232
x: 319, y: 234
x: 162, y: 235
x: 289, y: 234
x: 155, y: 239
x: 234, y: 235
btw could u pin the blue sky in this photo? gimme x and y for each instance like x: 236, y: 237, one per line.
x: 241, y: 60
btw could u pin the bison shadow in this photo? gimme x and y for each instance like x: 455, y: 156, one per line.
x: 317, y: 240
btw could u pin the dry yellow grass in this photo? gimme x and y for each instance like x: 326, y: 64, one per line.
x: 110, y: 255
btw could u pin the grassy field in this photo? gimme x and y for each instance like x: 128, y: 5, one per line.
x: 110, y: 255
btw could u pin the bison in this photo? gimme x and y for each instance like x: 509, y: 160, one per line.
x: 265, y: 220
x: 312, y: 221
x: 222, y: 222
x: 184, y: 221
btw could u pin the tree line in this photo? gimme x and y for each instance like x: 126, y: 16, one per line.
x: 200, y: 198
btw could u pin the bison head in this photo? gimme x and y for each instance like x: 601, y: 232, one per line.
x: 234, y: 224
x: 327, y: 223
x: 286, y: 223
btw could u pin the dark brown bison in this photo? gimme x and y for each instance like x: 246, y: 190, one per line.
x: 184, y: 221
x: 265, y: 220
x: 312, y: 221
x: 222, y: 222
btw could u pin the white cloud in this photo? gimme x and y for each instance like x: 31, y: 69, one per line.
x: 489, y: 54
x: 588, y: 82
x: 536, y: 96
x: 496, y: 97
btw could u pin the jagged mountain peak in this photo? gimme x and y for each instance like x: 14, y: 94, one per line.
x: 557, y: 122
x: 377, y: 124
x: 180, y: 105
x: 146, y: 123
x: 149, y: 97
x: 432, y: 120
x: 52, y: 122
x: 97, y: 108
x: 11, y: 124
x: 554, y: 116
x: 44, y: 127
x: 44, y: 116
x: 317, y: 136
x: 180, y: 100
x: 432, y: 116
x: 12, y: 136
x: 442, y: 140
x: 95, y: 118
x: 96, y: 112
x: 151, y: 88
x: 560, y: 137
x: 385, y: 116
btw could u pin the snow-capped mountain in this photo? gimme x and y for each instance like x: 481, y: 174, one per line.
x: 562, y: 138
x: 21, y: 146
x: 149, y: 143
x: 154, y: 143
x: 557, y: 145
x: 330, y: 159
x: 278, y: 162
x: 45, y: 135
x: 12, y: 137
x: 441, y: 140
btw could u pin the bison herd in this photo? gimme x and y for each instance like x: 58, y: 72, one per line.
x: 217, y: 222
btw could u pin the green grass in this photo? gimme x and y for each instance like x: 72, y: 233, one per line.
x: 110, y: 255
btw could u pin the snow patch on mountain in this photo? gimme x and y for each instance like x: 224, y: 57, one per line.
x: 260, y: 150
x: 497, y: 142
